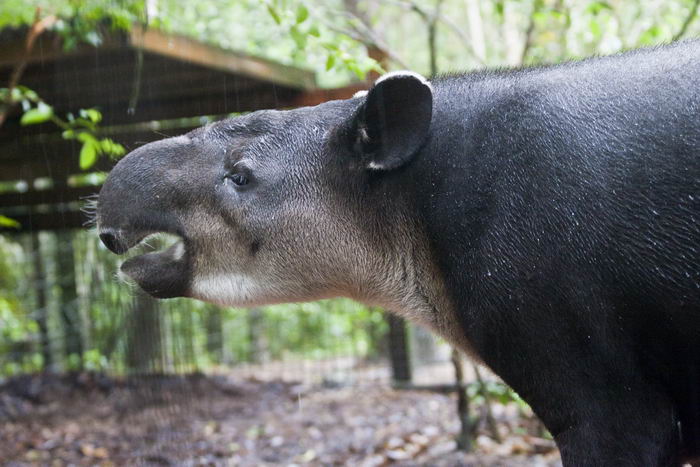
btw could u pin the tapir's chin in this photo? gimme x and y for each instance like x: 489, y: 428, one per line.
x: 164, y: 274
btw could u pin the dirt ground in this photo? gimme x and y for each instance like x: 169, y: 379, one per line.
x: 197, y: 420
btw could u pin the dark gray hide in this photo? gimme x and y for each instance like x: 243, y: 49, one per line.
x: 545, y: 220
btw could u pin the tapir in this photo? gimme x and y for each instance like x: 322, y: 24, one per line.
x: 545, y: 220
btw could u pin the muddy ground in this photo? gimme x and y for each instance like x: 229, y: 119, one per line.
x: 215, y: 420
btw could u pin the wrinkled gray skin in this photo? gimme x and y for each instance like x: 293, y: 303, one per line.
x: 305, y: 227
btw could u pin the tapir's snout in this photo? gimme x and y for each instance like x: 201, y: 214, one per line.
x: 141, y: 193
x: 140, y: 198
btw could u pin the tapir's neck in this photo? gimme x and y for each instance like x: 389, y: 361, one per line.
x: 404, y: 278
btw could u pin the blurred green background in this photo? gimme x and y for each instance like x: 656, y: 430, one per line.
x: 61, y: 306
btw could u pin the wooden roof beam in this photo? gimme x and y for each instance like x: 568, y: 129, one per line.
x: 51, y: 196
x: 173, y: 46
x: 189, y: 50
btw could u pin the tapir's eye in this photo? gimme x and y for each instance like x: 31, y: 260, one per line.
x: 238, y: 179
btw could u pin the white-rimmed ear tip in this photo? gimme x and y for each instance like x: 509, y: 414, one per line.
x: 404, y: 73
x: 361, y: 93
x: 374, y: 166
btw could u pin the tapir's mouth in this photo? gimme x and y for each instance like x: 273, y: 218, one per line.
x: 163, y: 273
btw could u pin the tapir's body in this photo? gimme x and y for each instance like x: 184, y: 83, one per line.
x: 565, y: 215
x: 546, y: 220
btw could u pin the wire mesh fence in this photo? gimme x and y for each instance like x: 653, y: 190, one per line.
x: 63, y: 307
x: 93, y: 368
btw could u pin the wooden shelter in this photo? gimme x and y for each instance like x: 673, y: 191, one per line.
x: 148, y: 84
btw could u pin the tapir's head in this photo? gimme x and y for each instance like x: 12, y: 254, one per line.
x: 273, y: 206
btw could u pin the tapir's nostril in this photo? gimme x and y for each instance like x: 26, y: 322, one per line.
x: 110, y: 239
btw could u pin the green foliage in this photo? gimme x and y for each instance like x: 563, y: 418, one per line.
x: 83, y: 128
x: 40, y: 114
x: 303, y: 33
x: 328, y: 37
x: 318, y: 36
x: 331, y: 38
x: 17, y: 328
x: 78, y: 20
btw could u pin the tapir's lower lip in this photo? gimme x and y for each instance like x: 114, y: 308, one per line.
x: 163, y: 274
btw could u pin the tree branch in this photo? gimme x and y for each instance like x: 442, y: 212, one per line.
x: 459, y: 32
x: 365, y: 36
x: 529, y: 32
x: 431, y: 22
x: 35, y: 30
x: 691, y: 16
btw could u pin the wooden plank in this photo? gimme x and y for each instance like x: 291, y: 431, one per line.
x: 189, y: 50
x: 318, y: 96
x: 25, y: 144
x: 52, y: 156
x: 34, y: 222
x: 52, y: 196
x: 72, y: 85
x: 56, y: 168
x: 117, y: 113
x: 92, y: 88
x: 27, y: 157
x: 49, y: 47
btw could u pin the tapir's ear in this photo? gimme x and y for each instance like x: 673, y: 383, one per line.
x: 394, y: 120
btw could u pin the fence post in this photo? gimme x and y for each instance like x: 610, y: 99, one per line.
x: 399, y: 351
x: 143, y: 336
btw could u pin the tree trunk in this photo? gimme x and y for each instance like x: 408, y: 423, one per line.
x: 476, y: 30
x: 144, y: 352
x: 399, y: 352
x: 376, y: 334
x: 464, y: 438
x: 70, y: 311
x: 41, y: 312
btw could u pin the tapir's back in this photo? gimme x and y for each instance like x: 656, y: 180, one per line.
x: 584, y: 168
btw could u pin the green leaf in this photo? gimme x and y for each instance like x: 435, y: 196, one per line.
x: 499, y: 8
x: 314, y: 31
x: 112, y: 149
x: 86, y: 137
x: 88, y: 155
x: 355, y: 68
x: 597, y: 7
x: 9, y: 223
x: 93, y: 115
x: 302, y: 13
x: 650, y: 36
x: 16, y: 94
x: 40, y: 114
x: 274, y: 14
x: 28, y: 93
x: 298, y: 36
x: 330, y: 62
